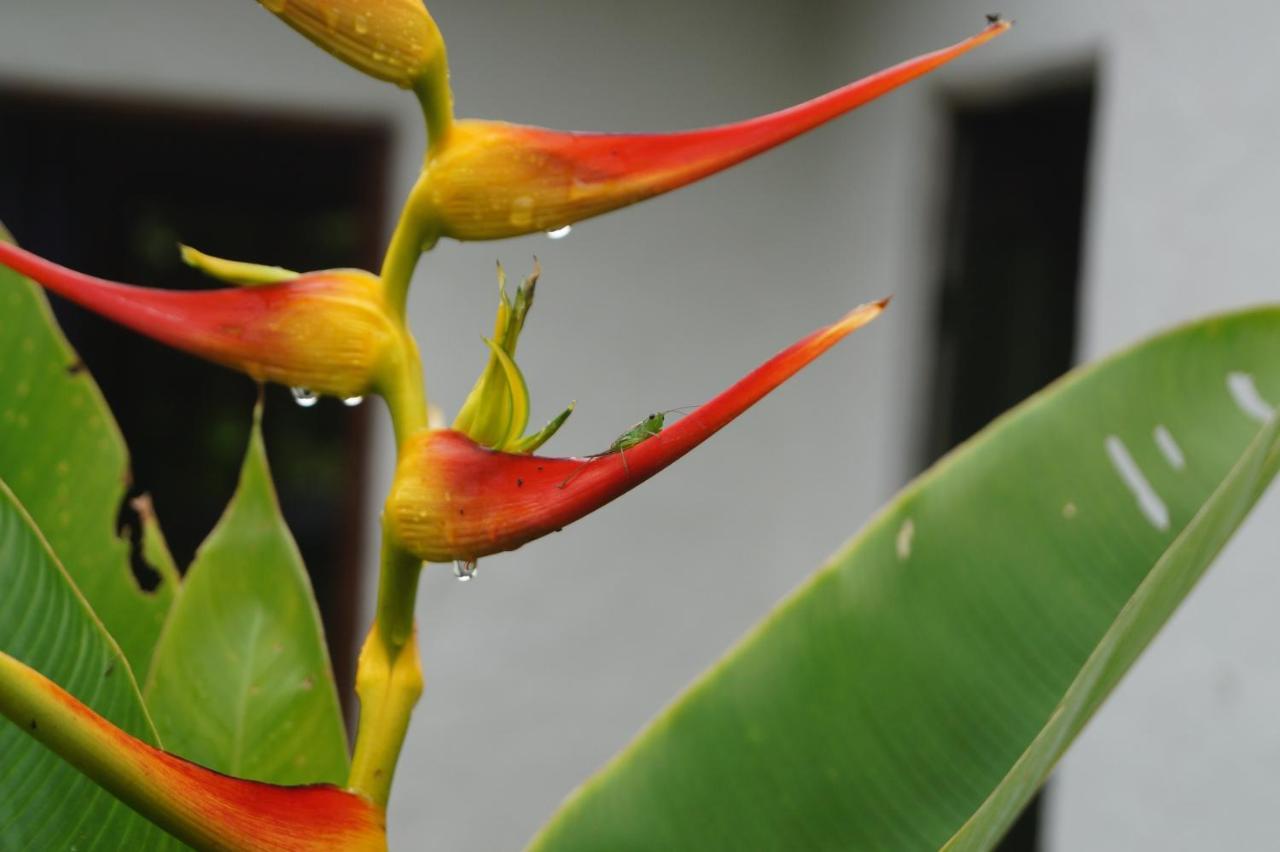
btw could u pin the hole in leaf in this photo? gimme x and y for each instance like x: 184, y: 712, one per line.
x: 134, y: 508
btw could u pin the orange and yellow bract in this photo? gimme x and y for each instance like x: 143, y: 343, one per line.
x: 201, y: 807
x: 489, y: 180
x: 453, y: 499
x: 325, y: 331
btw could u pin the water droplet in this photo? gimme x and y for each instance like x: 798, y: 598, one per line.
x: 464, y: 570
x: 362, y: 24
x: 560, y: 233
x: 331, y: 17
x: 352, y: 401
x: 304, y: 397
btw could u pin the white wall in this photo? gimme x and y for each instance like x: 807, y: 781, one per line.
x: 544, y: 666
x: 1182, y: 221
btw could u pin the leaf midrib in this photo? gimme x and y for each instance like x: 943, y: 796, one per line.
x: 242, y: 700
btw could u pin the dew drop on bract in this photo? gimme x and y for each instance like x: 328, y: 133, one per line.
x: 304, y: 397
x: 464, y: 570
x: 352, y: 401
x: 560, y: 233
x: 362, y: 24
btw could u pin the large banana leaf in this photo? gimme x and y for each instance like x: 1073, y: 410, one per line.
x: 62, y: 454
x: 241, y: 681
x: 917, y: 690
x: 45, y: 622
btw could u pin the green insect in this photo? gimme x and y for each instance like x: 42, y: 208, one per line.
x: 637, y: 434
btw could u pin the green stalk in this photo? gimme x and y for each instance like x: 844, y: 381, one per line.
x: 388, y: 677
x: 389, y: 673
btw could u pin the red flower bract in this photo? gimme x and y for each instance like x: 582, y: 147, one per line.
x: 201, y: 807
x: 455, y: 500
x: 490, y: 180
x: 326, y: 331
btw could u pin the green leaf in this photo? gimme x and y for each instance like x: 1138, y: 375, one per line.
x: 62, y: 454
x: 918, y: 689
x: 241, y: 680
x: 44, y: 802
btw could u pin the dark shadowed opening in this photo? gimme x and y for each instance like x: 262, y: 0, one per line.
x: 110, y: 187
x: 1009, y: 289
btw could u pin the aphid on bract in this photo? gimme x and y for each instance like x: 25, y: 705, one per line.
x: 637, y: 434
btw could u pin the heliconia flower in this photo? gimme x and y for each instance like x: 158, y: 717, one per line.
x: 327, y: 331
x: 203, y: 808
x: 490, y: 180
x: 455, y: 500
x: 496, y: 411
x: 392, y: 40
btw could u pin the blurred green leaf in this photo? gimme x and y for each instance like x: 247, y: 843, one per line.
x: 44, y: 622
x: 917, y: 690
x: 241, y: 680
x: 62, y: 454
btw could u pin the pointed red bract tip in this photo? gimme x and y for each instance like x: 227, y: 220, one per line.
x: 325, y: 331
x: 453, y: 499
x: 492, y: 180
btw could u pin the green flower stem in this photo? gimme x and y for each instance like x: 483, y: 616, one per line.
x: 415, y: 233
x: 403, y: 388
x: 436, y: 97
x: 388, y: 676
x: 389, y: 673
x: 417, y: 230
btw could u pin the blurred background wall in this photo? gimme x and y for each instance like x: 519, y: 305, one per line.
x: 542, y: 668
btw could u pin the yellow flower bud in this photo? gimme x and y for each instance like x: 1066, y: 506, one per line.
x: 393, y: 40
x: 496, y: 411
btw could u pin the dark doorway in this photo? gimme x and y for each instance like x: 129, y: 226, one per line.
x: 1009, y: 289
x: 110, y: 187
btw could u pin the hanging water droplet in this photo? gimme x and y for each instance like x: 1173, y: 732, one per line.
x: 304, y: 397
x: 560, y: 233
x: 464, y: 570
x: 352, y: 401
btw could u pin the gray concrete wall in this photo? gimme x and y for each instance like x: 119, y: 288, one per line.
x: 543, y: 667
